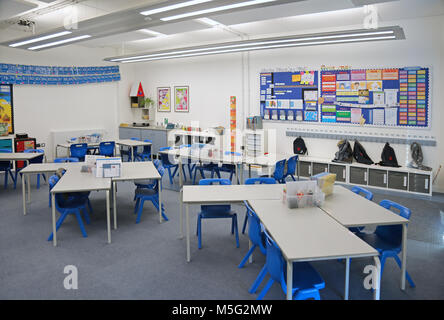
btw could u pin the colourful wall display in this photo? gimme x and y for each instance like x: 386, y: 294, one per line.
x: 289, y: 96
x: 164, y: 99
x: 395, y: 97
x: 6, y: 108
x: 182, y: 99
x: 49, y: 75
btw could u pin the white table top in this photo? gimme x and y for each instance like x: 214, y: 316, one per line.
x: 4, y: 156
x: 137, y: 171
x: 90, y: 144
x: 132, y: 143
x: 231, y: 193
x: 308, y: 233
x: 50, y: 167
x: 76, y: 181
x: 353, y: 210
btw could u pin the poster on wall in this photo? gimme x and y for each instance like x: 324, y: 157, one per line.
x: 164, y: 99
x: 6, y: 109
x: 182, y: 99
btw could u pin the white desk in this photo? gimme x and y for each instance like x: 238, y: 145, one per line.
x: 76, y: 181
x: 352, y: 210
x: 39, y: 168
x: 132, y: 144
x: 223, y: 194
x: 308, y: 234
x: 131, y: 171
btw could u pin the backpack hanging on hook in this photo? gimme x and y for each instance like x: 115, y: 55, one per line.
x: 299, y: 146
x: 388, y: 157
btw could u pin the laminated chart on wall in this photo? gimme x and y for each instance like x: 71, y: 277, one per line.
x: 52, y: 75
x: 289, y: 96
x: 395, y: 97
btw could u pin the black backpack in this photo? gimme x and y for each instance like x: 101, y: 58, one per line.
x: 388, y: 157
x: 360, y: 154
x: 345, y: 153
x: 299, y: 146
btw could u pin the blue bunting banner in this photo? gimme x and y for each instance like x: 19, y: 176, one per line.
x: 45, y: 75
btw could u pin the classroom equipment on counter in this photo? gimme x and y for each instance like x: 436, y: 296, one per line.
x: 345, y: 153
x: 299, y: 146
x: 417, y: 157
x: 360, y: 154
x: 388, y: 157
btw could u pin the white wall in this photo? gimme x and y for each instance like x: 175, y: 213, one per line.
x: 40, y: 109
x: 214, y: 79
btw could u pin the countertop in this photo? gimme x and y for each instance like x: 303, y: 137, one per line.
x: 145, y: 128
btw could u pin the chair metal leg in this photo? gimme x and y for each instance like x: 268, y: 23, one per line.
x: 86, y: 215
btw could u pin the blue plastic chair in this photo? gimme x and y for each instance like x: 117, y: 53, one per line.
x: 168, y: 165
x: 260, y: 180
x: 70, y: 203
x: 6, y: 166
x: 79, y: 150
x: 62, y: 160
x: 38, y: 159
x: 369, y: 196
x: 216, y: 212
x: 388, y: 239
x: 230, y: 168
x: 149, y: 193
x: 278, y: 173
x: 106, y: 148
x: 145, y: 155
x: 291, y: 167
x: 306, y: 280
x: 255, y: 234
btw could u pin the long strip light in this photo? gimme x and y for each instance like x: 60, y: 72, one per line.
x: 59, y: 42
x: 261, y: 48
x: 173, y: 7
x: 251, y: 44
x: 50, y: 36
x: 216, y: 9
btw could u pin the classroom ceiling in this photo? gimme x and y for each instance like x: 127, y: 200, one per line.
x: 117, y: 24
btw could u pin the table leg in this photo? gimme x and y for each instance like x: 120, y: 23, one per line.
x: 181, y: 213
x: 347, y: 278
x: 115, y: 203
x: 250, y: 244
x: 236, y: 166
x: 29, y: 187
x: 54, y: 231
x: 24, y: 194
x: 180, y: 173
x: 377, y: 285
x: 160, y: 200
x: 404, y: 255
x: 187, y: 212
x: 108, y: 218
x: 132, y: 154
x: 289, y: 280
x: 249, y: 171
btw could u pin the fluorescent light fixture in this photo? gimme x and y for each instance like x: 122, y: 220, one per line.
x: 173, y: 7
x: 261, y: 48
x: 263, y: 42
x: 216, y: 9
x: 209, y: 22
x: 151, y: 32
x: 50, y: 36
x: 60, y: 42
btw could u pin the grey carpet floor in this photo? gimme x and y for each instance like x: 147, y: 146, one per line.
x: 147, y: 260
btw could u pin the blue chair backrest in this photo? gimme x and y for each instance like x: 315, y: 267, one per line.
x: 147, y: 149
x: 220, y: 207
x: 291, y: 165
x: 38, y: 159
x: 279, y: 170
x: 107, y: 148
x: 135, y: 139
x: 260, y: 180
x: 165, y: 157
x: 61, y: 160
x: 254, y: 228
x: 367, y: 194
x: 273, y: 259
x: 393, y: 233
x: 79, y: 150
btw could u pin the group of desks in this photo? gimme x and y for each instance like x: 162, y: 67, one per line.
x: 305, y: 234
